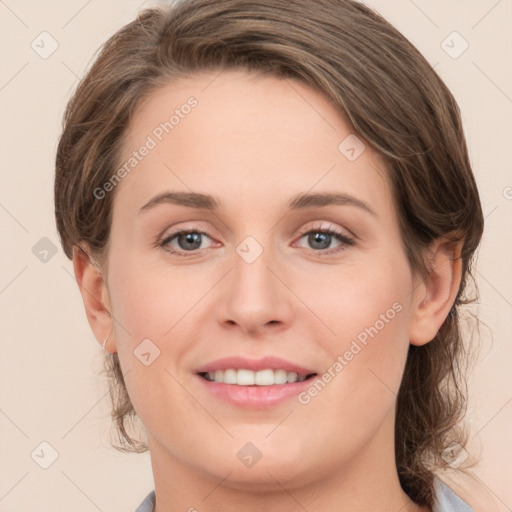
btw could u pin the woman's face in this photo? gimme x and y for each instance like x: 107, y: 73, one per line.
x: 322, y: 285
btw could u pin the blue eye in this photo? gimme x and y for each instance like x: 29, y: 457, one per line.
x: 321, y: 239
x: 187, y: 241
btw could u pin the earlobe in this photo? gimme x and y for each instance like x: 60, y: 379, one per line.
x: 94, y: 293
x: 435, y: 296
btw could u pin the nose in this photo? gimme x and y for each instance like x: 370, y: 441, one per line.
x: 254, y: 297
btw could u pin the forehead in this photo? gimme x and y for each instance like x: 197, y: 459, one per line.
x: 261, y: 135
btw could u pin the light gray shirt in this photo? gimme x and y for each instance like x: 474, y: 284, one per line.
x: 445, y: 500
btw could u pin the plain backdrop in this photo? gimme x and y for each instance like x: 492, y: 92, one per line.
x: 50, y: 390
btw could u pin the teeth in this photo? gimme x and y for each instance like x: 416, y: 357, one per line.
x: 230, y: 377
x: 242, y: 377
x: 245, y: 377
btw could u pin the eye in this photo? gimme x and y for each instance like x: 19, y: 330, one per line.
x: 320, y: 240
x: 186, y: 241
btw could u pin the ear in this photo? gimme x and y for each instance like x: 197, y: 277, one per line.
x: 434, y: 297
x: 94, y: 293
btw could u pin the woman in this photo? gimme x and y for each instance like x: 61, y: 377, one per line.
x: 272, y: 219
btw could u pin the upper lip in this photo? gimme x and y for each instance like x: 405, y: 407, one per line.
x: 237, y: 362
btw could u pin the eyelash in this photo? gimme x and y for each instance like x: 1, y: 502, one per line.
x: 345, y: 240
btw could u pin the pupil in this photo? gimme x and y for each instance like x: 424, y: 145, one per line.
x: 191, y: 240
x: 323, y: 239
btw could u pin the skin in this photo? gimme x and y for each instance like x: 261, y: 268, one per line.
x: 254, y: 142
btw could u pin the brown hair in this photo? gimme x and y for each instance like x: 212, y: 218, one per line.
x: 394, y: 101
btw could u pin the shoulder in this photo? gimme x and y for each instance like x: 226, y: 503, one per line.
x: 446, y: 500
x: 148, y: 503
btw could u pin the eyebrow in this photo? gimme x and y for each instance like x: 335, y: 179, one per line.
x: 297, y: 202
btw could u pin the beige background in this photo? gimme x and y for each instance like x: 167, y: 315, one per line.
x: 49, y: 390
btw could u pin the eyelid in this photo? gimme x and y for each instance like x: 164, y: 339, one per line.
x: 323, y: 226
x: 184, y: 227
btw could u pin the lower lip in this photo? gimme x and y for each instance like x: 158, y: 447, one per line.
x: 256, y: 397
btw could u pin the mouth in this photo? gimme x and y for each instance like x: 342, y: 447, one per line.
x: 254, y: 383
x: 246, y: 377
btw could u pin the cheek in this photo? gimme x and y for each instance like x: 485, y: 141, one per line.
x: 150, y: 302
x: 368, y: 312
x: 153, y: 304
x: 366, y: 301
